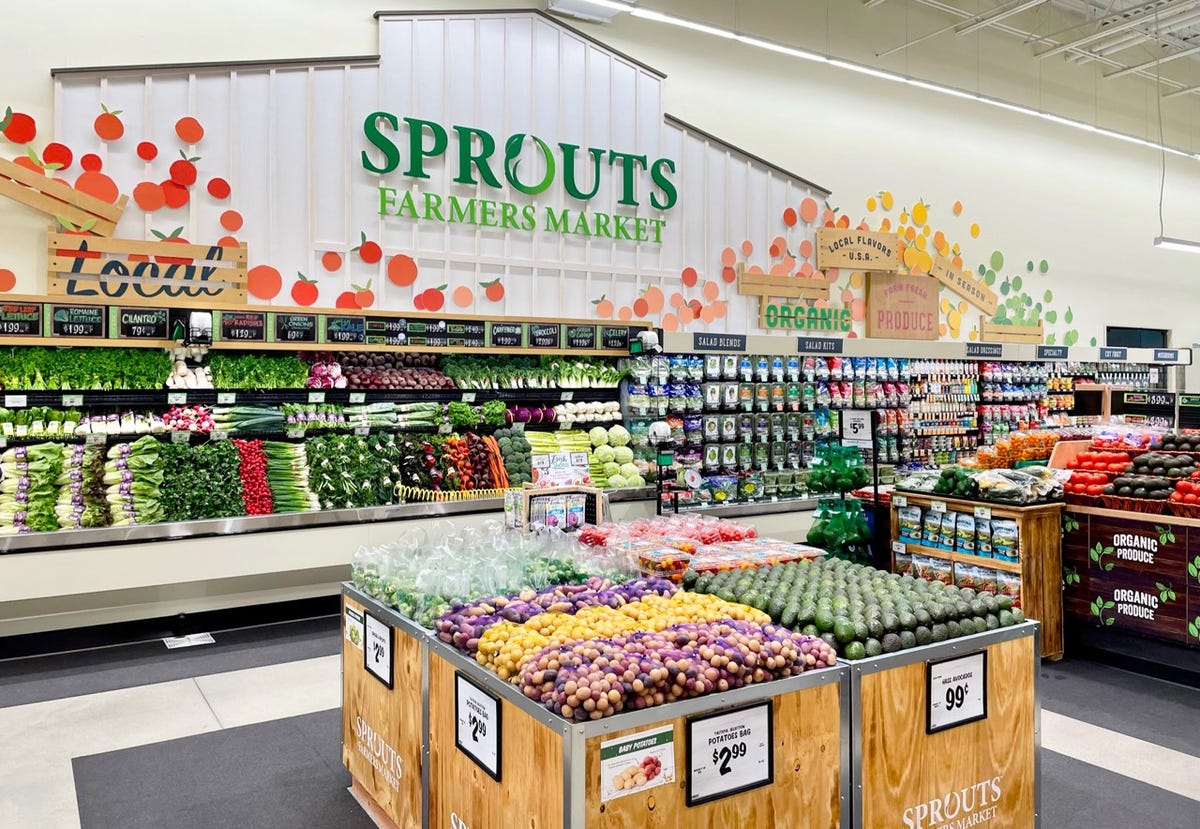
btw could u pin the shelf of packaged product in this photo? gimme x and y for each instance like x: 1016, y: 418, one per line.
x: 962, y: 558
x: 749, y: 509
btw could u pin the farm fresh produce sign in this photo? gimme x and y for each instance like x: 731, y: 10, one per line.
x: 473, y: 158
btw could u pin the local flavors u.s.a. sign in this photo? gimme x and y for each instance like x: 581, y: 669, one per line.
x: 862, y: 249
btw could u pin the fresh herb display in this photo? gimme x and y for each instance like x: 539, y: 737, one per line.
x: 174, y: 497
x: 343, y: 471
x: 257, y: 371
x: 202, y: 481
x: 38, y: 369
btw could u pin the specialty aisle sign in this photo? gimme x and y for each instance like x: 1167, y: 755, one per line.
x: 860, y: 249
x: 957, y: 691
x: 729, y: 752
x: 477, y: 724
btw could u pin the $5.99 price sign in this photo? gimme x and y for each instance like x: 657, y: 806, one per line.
x: 730, y: 752
x: 477, y: 724
x: 956, y: 691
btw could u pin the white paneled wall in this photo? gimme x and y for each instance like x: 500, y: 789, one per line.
x: 288, y: 137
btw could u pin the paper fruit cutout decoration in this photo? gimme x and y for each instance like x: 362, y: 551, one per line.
x: 108, y: 125
x: 304, y: 290
x: 18, y: 127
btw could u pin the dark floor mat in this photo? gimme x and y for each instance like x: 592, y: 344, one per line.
x: 286, y: 773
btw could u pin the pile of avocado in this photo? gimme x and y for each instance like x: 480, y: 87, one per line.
x: 1178, y: 442
x: 957, y: 482
x: 1163, y: 465
x: 858, y: 610
x: 1149, y: 487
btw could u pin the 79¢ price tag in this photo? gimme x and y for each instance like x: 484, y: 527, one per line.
x: 729, y: 753
x: 956, y: 691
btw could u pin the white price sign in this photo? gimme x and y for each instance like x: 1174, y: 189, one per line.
x: 316, y: 397
x: 226, y: 398
x: 95, y: 440
x: 468, y: 397
x: 567, y: 395
x: 362, y: 431
x: 937, y: 506
x: 856, y: 428
x: 180, y: 436
x: 477, y: 724
x: 377, y: 650
x: 899, y: 548
x: 957, y: 691
x: 218, y: 434
x: 72, y: 401
x: 294, y: 434
x: 983, y: 513
x: 358, y: 397
x: 177, y: 398
x: 899, y: 501
x: 729, y: 752
x: 15, y: 401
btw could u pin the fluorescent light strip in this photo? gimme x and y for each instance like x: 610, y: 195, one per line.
x: 1176, y: 244
x: 883, y: 74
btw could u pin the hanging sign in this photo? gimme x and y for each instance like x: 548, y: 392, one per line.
x: 719, y: 342
x: 902, y: 307
x: 79, y: 321
x: 985, y: 351
x: 820, y: 345
x: 21, y: 319
x: 860, y: 249
x: 1117, y: 355
x: 729, y: 753
x: 1166, y: 355
x: 956, y: 691
x: 964, y: 284
x: 1052, y: 352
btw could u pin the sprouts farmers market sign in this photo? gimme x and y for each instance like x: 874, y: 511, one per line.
x: 478, y: 161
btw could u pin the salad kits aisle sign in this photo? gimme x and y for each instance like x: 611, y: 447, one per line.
x: 486, y: 162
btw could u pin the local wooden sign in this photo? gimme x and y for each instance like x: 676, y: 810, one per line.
x: 133, y: 272
x: 860, y: 249
x: 965, y: 285
x: 902, y: 307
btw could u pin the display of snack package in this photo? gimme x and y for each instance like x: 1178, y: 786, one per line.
x: 922, y: 567
x: 910, y: 523
x: 983, y: 538
x: 1005, y: 543
x: 966, y: 575
x: 1010, y: 585
x: 556, y: 511
x: 576, y: 510
x: 987, y: 580
x: 904, y: 564
x: 947, y: 531
x: 931, y: 529
x: 964, y: 533
x: 941, y: 570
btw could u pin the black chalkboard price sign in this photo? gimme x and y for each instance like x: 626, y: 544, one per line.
x: 79, y: 321
x: 21, y: 319
x: 545, y: 335
x: 581, y: 336
x: 244, y: 326
x: 614, y: 337
x: 345, y: 330
x: 507, y: 334
x: 142, y: 323
x: 295, y: 328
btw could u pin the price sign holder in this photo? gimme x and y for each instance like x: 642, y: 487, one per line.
x: 856, y: 428
x: 716, y: 767
x: 378, y: 650
x: 955, y: 691
x: 478, y: 725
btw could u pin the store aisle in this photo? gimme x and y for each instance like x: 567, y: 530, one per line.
x: 246, y: 733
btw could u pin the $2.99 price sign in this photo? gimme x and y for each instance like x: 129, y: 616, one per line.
x: 730, y: 752
x: 477, y: 724
x: 956, y: 691
x: 377, y: 648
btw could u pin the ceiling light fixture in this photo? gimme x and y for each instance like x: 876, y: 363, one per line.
x: 883, y: 74
x: 1185, y: 245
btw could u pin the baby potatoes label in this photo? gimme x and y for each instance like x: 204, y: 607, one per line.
x: 637, y: 762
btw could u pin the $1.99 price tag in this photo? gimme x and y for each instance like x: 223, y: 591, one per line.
x: 729, y: 753
x: 957, y: 691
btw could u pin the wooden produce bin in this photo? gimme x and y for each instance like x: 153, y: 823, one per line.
x: 983, y: 771
x: 543, y: 771
x: 383, y: 728
x: 1039, y: 530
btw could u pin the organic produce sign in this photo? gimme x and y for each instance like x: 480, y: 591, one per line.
x: 477, y: 724
x: 345, y: 330
x: 243, y: 326
x: 581, y: 336
x: 21, y: 319
x: 956, y: 691
x: 142, y: 323
x: 861, y: 249
x: 295, y: 328
x: 635, y: 763
x: 614, y: 337
x: 507, y: 334
x: 544, y: 335
x: 79, y: 321
x: 902, y: 307
x: 729, y: 752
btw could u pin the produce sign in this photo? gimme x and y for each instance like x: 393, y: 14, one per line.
x: 545, y: 336
x: 142, y: 323
x: 21, y: 319
x: 860, y: 249
x: 477, y: 724
x: 243, y: 326
x: 295, y: 328
x: 581, y: 336
x: 964, y: 284
x: 614, y: 337
x: 902, y: 307
x: 507, y: 334
x: 730, y: 752
x: 955, y: 691
x: 78, y: 321
x: 637, y: 762
x: 345, y: 330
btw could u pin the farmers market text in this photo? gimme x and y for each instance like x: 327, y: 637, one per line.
x: 412, y: 204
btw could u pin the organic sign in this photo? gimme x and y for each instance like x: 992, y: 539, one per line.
x: 781, y: 316
x: 902, y: 307
x: 963, y: 284
x: 860, y: 249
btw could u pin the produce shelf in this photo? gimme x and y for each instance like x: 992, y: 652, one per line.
x: 963, y: 558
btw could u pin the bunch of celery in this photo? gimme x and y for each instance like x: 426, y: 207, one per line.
x: 287, y: 476
x: 27, y: 488
x: 133, y: 475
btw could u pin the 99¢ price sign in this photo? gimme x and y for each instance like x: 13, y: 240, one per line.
x: 730, y: 752
x: 957, y: 691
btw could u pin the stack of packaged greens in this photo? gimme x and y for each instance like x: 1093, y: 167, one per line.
x: 28, y: 476
x: 133, y: 475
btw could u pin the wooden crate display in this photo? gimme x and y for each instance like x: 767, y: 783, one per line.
x: 1039, y: 530
x: 984, y: 771
x: 786, y: 286
x: 382, y: 728
x: 992, y: 332
x: 58, y: 199
x: 136, y: 272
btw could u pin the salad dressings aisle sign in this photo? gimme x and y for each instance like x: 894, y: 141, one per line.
x: 729, y: 752
x: 637, y: 762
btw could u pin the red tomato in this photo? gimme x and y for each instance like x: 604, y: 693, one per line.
x: 1191, y: 498
x: 1095, y: 489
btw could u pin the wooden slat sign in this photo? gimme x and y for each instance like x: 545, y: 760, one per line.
x: 56, y: 198
x: 781, y: 285
x: 999, y: 333
x: 863, y: 250
x: 965, y: 285
x: 902, y: 307
x: 134, y: 272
